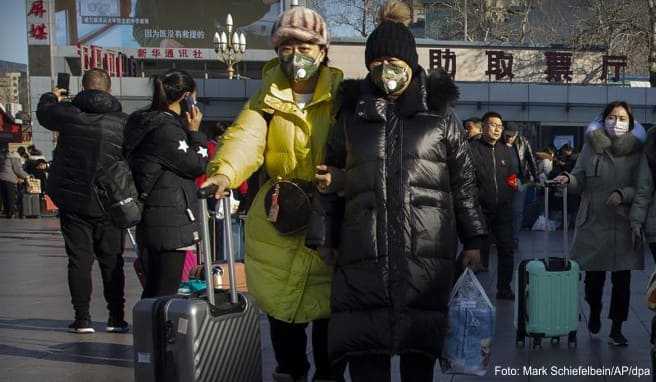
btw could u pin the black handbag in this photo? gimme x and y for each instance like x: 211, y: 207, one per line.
x: 117, y: 194
x: 288, y: 204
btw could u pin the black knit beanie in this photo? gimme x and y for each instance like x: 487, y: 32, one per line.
x: 392, y: 39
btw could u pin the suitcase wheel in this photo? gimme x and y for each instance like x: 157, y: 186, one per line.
x: 537, y: 343
x: 571, y: 340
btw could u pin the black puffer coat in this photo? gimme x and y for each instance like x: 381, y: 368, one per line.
x: 165, y: 158
x: 410, y: 192
x: 90, y: 137
x: 493, y: 166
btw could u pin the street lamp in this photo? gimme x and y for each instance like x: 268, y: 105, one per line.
x: 230, y: 47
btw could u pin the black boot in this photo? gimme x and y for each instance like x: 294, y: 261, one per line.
x: 616, y: 338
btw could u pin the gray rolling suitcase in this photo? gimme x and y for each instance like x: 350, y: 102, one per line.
x: 215, y: 337
x: 31, y: 205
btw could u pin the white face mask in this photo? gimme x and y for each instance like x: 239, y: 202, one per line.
x: 616, y: 128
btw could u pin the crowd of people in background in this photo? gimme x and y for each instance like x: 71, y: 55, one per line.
x: 402, y: 182
x: 16, y: 168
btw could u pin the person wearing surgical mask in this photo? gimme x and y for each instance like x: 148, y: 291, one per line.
x: 605, y: 176
x: 399, y: 190
x: 283, y: 128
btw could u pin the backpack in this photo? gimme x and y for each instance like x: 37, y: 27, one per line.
x: 118, y: 195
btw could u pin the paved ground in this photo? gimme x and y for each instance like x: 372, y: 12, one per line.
x: 34, y: 344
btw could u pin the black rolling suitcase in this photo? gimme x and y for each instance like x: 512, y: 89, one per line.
x: 215, y: 337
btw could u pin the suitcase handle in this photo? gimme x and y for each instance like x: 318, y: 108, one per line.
x: 557, y: 264
x: 205, y: 247
x: 552, y: 184
x: 228, y: 247
x: 203, y: 195
x: 207, y: 192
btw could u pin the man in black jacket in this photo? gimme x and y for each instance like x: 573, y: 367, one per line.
x: 493, y: 163
x: 90, y: 137
x: 527, y: 172
x: 473, y: 128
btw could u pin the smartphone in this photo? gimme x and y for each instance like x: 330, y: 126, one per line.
x: 190, y: 102
x: 63, y: 81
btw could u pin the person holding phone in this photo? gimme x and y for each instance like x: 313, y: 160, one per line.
x: 90, y: 132
x: 284, y: 127
x: 166, y: 152
x: 605, y: 176
x: 63, y: 82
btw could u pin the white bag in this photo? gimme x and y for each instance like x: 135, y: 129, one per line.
x: 234, y: 206
x: 542, y: 223
x: 468, y: 346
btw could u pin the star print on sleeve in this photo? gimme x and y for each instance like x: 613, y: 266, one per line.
x: 183, y: 146
x: 202, y: 151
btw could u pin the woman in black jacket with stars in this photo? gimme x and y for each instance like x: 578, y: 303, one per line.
x: 400, y: 160
x: 167, y: 152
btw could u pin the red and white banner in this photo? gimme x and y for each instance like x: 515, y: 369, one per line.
x: 95, y: 57
x: 147, y: 53
x: 38, y: 22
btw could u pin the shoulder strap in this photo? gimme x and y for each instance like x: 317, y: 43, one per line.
x: 146, y: 193
x: 267, y: 116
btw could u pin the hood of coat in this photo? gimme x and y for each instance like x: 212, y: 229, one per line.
x: 623, y: 145
x: 96, y: 102
x: 141, y: 123
x: 435, y: 93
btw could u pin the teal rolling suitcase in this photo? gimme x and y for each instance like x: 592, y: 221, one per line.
x: 547, y: 299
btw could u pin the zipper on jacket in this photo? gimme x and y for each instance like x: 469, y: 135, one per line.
x: 188, y: 210
x: 496, y: 184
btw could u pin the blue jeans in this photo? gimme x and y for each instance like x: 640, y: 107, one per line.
x: 518, y: 203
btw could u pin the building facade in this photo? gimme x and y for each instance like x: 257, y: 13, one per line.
x: 551, y: 92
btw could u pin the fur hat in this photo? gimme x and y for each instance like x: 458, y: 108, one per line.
x: 392, y: 37
x: 302, y: 24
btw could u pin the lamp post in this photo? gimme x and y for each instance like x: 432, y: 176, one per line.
x: 230, y: 47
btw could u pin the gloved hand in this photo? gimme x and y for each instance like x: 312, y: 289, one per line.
x: 614, y: 199
x: 471, y: 258
x: 328, y: 255
x: 329, y: 179
x: 637, y: 237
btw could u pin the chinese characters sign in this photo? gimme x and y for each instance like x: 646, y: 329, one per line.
x: 527, y: 65
x: 445, y: 59
x: 114, y: 20
x: 499, y: 65
x: 175, y: 34
x: 123, y: 62
x: 618, y: 63
x: 559, y: 66
x: 38, y: 18
x: 175, y: 54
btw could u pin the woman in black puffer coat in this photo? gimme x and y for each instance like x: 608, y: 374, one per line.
x: 400, y: 159
x: 166, y: 153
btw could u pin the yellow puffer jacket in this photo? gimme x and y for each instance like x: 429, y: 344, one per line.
x: 289, y: 281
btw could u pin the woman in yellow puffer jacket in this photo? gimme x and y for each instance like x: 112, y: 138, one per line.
x: 285, y: 127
